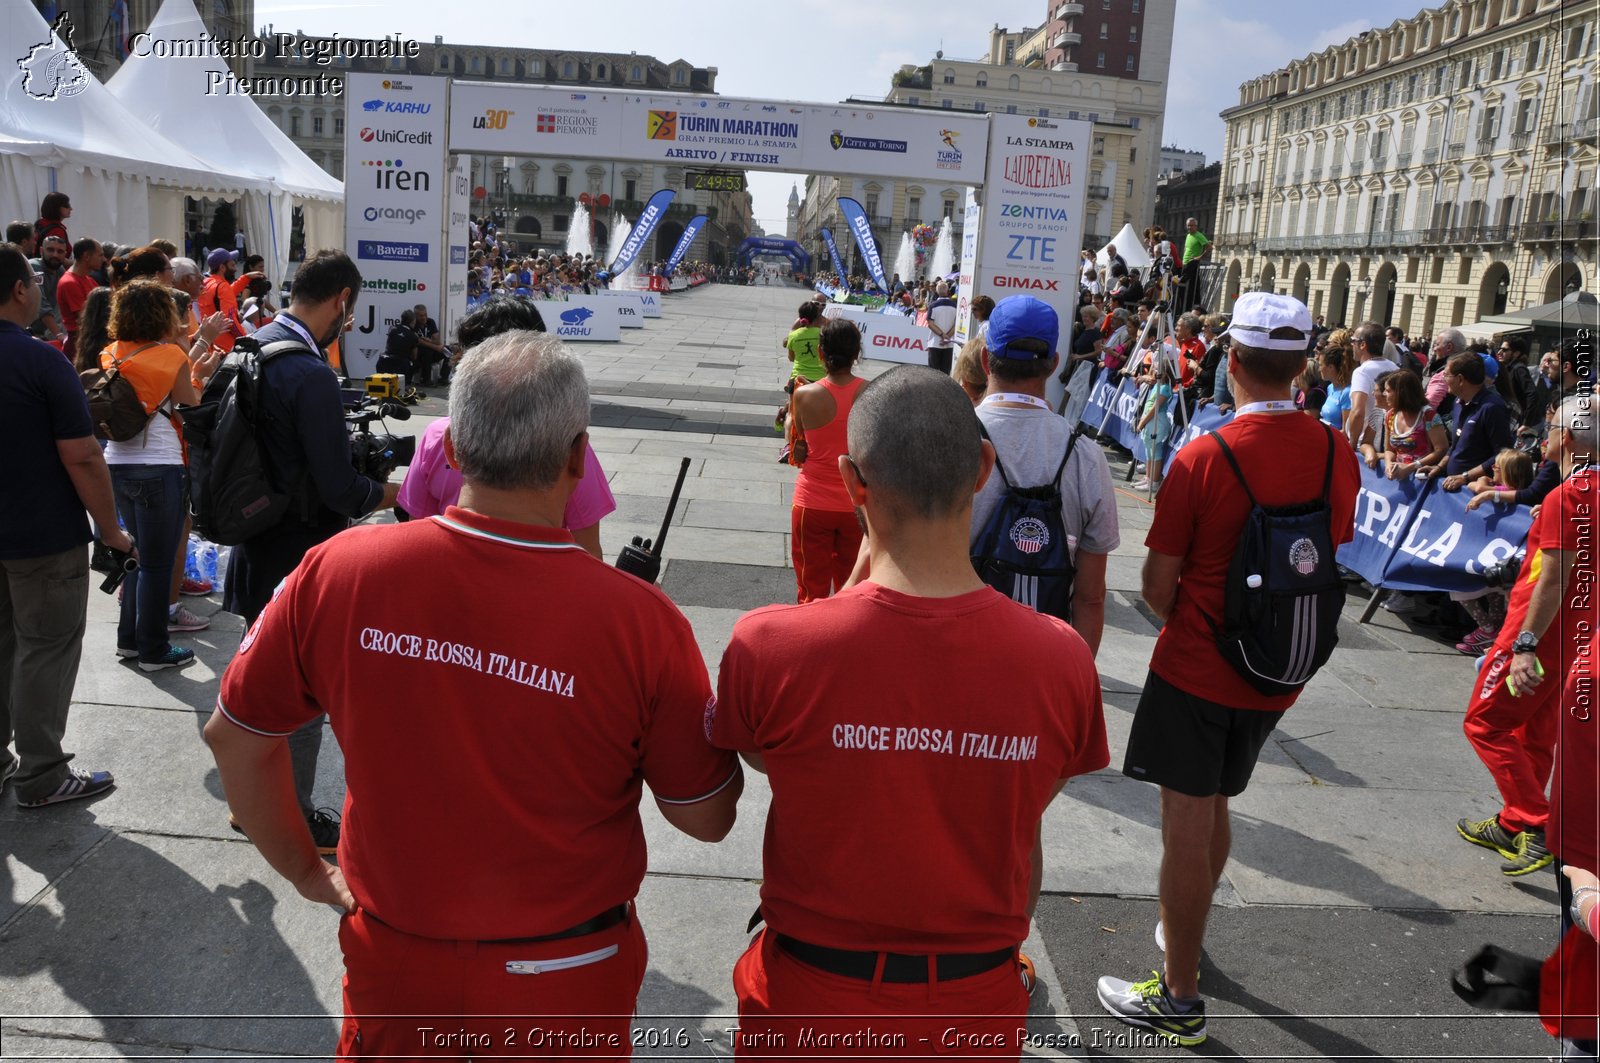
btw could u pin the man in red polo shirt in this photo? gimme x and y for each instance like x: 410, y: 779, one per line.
x: 73, y: 289
x: 496, y: 742
x: 1200, y: 724
x: 1513, y: 716
x: 902, y: 856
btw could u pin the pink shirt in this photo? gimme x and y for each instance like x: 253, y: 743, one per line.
x: 431, y: 484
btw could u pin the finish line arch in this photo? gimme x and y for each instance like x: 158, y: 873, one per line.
x: 407, y: 189
x: 776, y: 246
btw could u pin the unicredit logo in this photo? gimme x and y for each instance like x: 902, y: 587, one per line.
x: 395, y: 136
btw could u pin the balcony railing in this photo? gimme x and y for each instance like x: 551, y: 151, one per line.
x: 1430, y: 155
x: 1519, y: 141
x: 524, y: 199
x: 1403, y: 159
x: 1065, y: 67
x: 1255, y: 187
x: 1280, y: 179
x: 1068, y: 9
x: 1066, y: 38
x: 1585, y: 128
x: 1336, y: 170
x: 1455, y: 151
x: 1314, y: 174
x: 1099, y: 191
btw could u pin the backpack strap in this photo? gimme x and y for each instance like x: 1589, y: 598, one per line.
x: 1327, y: 471
x: 1005, y: 480
x: 1234, y: 464
x: 116, y: 363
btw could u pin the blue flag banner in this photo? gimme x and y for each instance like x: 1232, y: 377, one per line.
x: 861, y: 229
x: 833, y: 253
x: 1205, y: 419
x: 654, y: 211
x: 690, y: 231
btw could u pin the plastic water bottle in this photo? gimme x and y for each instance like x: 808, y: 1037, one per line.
x: 223, y: 554
x: 191, y: 561
x: 208, y: 562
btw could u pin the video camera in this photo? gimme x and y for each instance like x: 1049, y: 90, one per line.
x: 376, y: 455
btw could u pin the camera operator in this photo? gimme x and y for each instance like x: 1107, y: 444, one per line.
x: 305, y: 443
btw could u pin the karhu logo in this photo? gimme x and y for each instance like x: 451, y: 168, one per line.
x: 576, y: 317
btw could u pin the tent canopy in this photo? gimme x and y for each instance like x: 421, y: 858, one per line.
x: 1129, y: 246
x: 1576, y: 311
x: 229, y: 132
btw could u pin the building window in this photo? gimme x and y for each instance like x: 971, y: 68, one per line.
x: 946, y: 105
x: 630, y: 190
x: 1497, y: 65
x: 1011, y: 108
x: 1099, y: 145
x: 983, y: 79
x: 294, y: 125
x: 914, y: 208
x: 1100, y: 60
x: 1133, y: 154
x: 678, y: 77
x: 1130, y: 189
x: 559, y: 223
x: 444, y: 61
x: 316, y: 125
x: 561, y: 184
x: 1044, y: 112
x: 600, y: 72
x: 1133, y: 34
x: 637, y: 73
x: 1128, y: 66
x: 338, y: 125
x: 949, y: 77
x: 535, y: 67
x: 949, y: 209
x: 569, y: 69
x: 914, y: 101
x: 1575, y: 40
x: 1136, y: 6
x: 1105, y: 31
x: 977, y: 105
x: 477, y: 64
x: 1534, y: 47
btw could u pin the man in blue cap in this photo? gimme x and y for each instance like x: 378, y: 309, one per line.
x: 1031, y: 447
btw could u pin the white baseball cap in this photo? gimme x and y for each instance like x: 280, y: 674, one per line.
x: 1257, y: 315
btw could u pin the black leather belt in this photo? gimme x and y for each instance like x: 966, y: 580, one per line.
x: 899, y: 968
x: 604, y: 921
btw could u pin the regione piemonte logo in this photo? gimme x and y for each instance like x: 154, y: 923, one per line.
x: 51, y: 69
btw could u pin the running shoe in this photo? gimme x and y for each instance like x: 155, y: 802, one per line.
x: 127, y: 653
x: 196, y: 588
x: 1491, y: 835
x: 1142, y: 485
x: 10, y: 770
x: 78, y: 784
x: 1030, y: 977
x: 1400, y: 602
x: 184, y: 620
x: 1478, y: 640
x: 324, y: 824
x: 1161, y: 936
x: 1151, y: 1006
x: 174, y: 657
x: 1532, y: 855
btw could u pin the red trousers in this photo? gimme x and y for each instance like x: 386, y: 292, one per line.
x: 790, y: 1009
x: 408, y: 997
x: 825, y: 548
x: 1515, y: 737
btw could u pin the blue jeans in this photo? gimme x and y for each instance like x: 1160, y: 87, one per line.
x: 150, y: 501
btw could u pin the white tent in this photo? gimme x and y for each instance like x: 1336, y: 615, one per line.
x: 230, y: 133
x: 61, y: 130
x: 1130, y: 247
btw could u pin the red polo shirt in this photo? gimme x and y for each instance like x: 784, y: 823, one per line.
x: 909, y: 763
x: 499, y: 708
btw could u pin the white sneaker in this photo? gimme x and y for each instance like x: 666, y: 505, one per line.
x: 184, y: 620
x: 1161, y: 936
x: 1400, y: 602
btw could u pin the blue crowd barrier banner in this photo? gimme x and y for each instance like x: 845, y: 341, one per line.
x: 1205, y: 419
x: 1119, y: 395
x: 1433, y: 543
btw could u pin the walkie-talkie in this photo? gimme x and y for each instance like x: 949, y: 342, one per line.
x: 638, y: 558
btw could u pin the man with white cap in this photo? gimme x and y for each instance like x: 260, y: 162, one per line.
x: 1200, y: 724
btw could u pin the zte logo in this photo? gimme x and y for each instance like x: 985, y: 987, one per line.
x: 492, y: 119
x: 1031, y: 283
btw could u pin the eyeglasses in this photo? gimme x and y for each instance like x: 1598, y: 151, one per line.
x: 857, y: 469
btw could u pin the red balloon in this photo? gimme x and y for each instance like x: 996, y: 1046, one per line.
x: 480, y: 193
x: 584, y: 199
x: 605, y: 200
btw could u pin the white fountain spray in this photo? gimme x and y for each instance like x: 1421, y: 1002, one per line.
x: 944, y: 254
x: 628, y: 279
x: 579, y: 241
x: 905, y: 262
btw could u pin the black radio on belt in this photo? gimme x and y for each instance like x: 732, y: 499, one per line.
x: 638, y: 558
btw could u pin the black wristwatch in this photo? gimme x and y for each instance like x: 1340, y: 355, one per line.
x: 1527, y: 642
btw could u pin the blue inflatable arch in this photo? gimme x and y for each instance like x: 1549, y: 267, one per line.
x: 775, y: 245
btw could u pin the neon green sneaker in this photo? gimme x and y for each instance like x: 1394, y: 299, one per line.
x: 1489, y: 834
x: 1150, y: 1006
x: 1532, y: 855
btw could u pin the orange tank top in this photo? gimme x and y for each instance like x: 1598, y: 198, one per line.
x: 820, y: 486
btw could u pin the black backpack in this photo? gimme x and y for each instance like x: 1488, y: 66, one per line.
x: 1021, y: 550
x: 115, y: 409
x: 1281, y: 613
x: 233, y: 495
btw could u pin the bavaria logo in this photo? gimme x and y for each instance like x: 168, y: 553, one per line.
x: 578, y: 316
x: 1303, y: 556
x: 1029, y: 535
x: 391, y: 251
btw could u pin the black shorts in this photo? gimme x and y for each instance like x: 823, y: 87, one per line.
x: 1194, y: 746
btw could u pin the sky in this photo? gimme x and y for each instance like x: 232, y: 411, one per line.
x: 845, y: 50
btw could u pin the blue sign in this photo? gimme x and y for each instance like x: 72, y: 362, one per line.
x: 833, y: 253
x: 861, y: 228
x: 458, y: 254
x: 393, y: 251
x: 576, y: 317
x: 653, y: 213
x: 690, y: 231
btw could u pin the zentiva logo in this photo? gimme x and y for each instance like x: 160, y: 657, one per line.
x: 492, y: 119
x: 1028, y: 283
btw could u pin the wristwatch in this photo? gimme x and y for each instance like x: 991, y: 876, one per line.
x: 1527, y: 642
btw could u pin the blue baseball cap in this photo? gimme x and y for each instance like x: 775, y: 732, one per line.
x: 1018, y: 318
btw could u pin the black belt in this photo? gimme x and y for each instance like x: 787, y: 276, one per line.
x: 896, y: 967
x: 604, y: 921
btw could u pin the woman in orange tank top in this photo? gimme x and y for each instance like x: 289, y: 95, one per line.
x: 826, y: 534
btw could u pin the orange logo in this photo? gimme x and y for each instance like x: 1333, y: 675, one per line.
x: 662, y: 125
